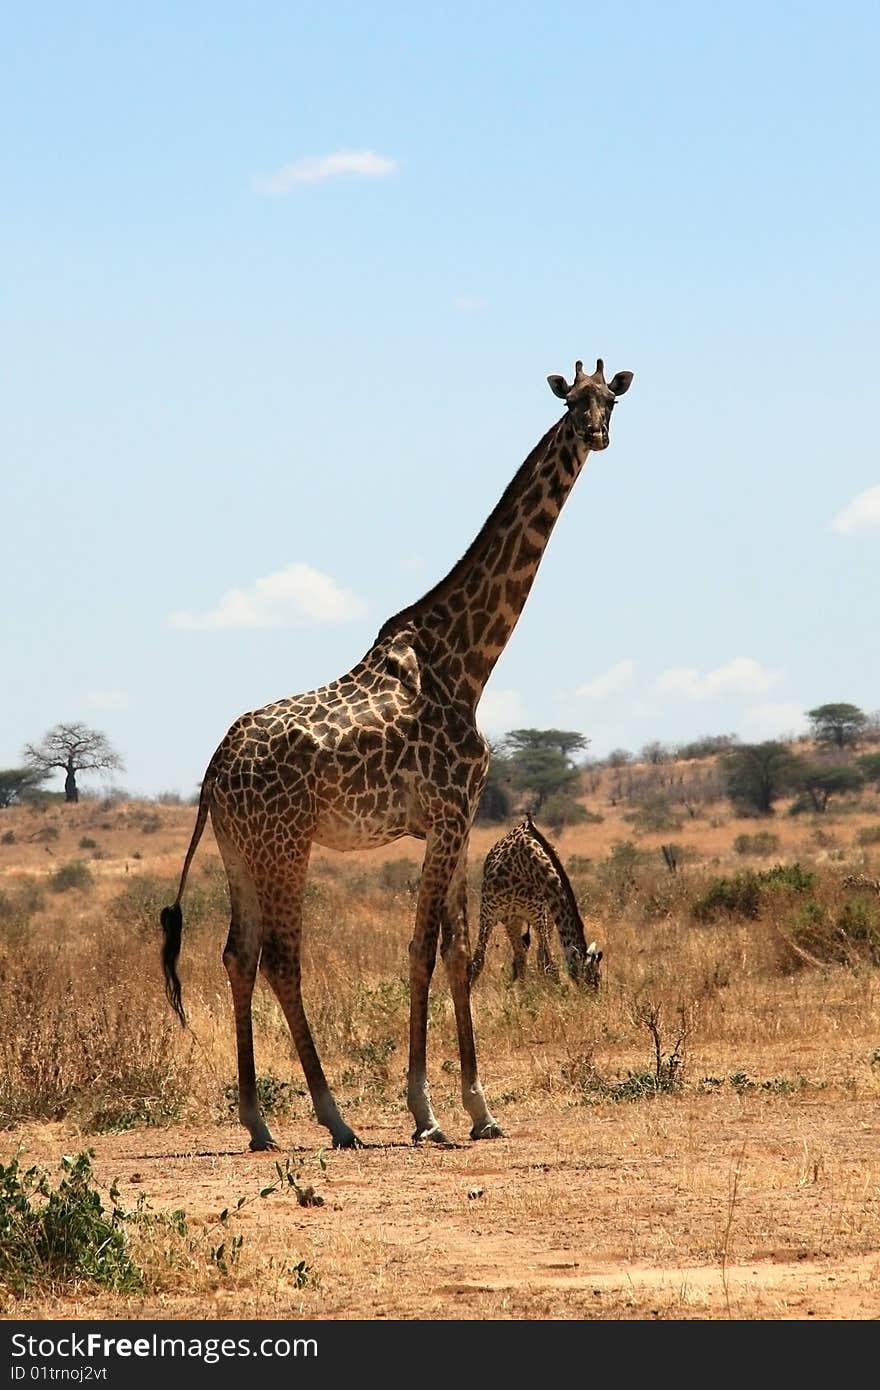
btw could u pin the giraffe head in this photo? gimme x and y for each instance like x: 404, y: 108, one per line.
x: 590, y: 401
x: 588, y: 973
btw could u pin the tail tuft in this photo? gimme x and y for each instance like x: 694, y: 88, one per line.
x: 172, y: 927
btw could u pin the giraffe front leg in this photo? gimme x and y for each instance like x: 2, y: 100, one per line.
x: 546, y: 963
x: 455, y: 950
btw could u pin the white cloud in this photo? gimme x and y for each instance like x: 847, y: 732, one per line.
x: 470, y: 303
x: 499, y: 711
x: 107, y: 699
x: 620, y: 674
x: 773, y: 721
x: 296, y: 594
x: 861, y: 514
x: 742, y: 675
x: 318, y: 168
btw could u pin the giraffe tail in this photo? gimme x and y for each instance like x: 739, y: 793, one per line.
x: 171, y: 918
x: 172, y: 929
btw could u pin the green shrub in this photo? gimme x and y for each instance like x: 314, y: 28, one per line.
x: 275, y: 1096
x: 65, y: 1235
x: 656, y: 814
x: 764, y: 842
x: 88, y: 843
x: 739, y: 896
x: 560, y: 810
x: 76, y: 874
x: 742, y: 894
x: 399, y: 876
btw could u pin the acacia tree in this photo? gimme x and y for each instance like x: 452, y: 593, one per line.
x: 839, y: 724
x: 72, y: 748
x: 15, y: 782
x: 757, y: 774
x: 821, y: 782
x: 540, y: 761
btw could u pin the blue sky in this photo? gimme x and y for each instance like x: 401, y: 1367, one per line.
x: 283, y: 284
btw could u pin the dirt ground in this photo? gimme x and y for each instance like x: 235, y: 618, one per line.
x: 698, y: 1207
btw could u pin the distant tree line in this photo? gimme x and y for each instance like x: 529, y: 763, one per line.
x: 537, y: 770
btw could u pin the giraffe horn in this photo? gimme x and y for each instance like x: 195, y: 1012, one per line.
x: 599, y: 373
x: 579, y: 374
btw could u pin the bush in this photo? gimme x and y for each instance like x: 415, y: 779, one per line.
x: 88, y: 843
x: 76, y: 874
x: 869, y: 835
x: 62, y: 1235
x: 739, y: 896
x: 845, y: 937
x: 764, y: 842
x: 7, y: 838
x: 560, y: 810
x: 742, y: 894
x: 138, y: 906
x: 656, y: 814
x: 399, y: 876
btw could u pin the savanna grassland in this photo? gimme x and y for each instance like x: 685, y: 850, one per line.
x: 700, y: 1140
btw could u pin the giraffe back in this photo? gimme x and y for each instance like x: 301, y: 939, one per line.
x: 523, y: 879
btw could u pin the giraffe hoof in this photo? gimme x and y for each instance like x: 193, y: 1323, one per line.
x: 434, y: 1135
x: 490, y: 1130
x: 348, y: 1141
x: 260, y: 1146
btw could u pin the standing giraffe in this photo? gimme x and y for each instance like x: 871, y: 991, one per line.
x: 524, y: 883
x: 391, y: 748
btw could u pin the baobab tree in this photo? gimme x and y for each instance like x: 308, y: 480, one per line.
x: 72, y: 748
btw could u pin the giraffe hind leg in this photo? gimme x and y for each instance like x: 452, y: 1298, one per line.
x: 519, y: 945
x: 240, y: 959
x: 280, y: 963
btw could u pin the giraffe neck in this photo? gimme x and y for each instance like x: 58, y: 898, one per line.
x: 462, y: 625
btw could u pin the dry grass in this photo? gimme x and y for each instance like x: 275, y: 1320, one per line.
x: 716, y: 1105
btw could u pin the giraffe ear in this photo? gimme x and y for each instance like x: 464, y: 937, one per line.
x: 619, y: 383
x: 558, y: 386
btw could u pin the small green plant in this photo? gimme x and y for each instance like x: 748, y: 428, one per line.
x: 275, y: 1096
x: 63, y: 1235
x: 88, y: 843
x: 76, y: 874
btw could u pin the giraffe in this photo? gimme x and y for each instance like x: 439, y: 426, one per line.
x: 391, y: 748
x: 524, y: 883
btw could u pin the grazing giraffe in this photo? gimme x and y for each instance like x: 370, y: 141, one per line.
x: 525, y: 883
x: 391, y: 748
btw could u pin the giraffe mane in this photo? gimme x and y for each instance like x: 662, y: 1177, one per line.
x: 537, y: 455
x: 557, y: 864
